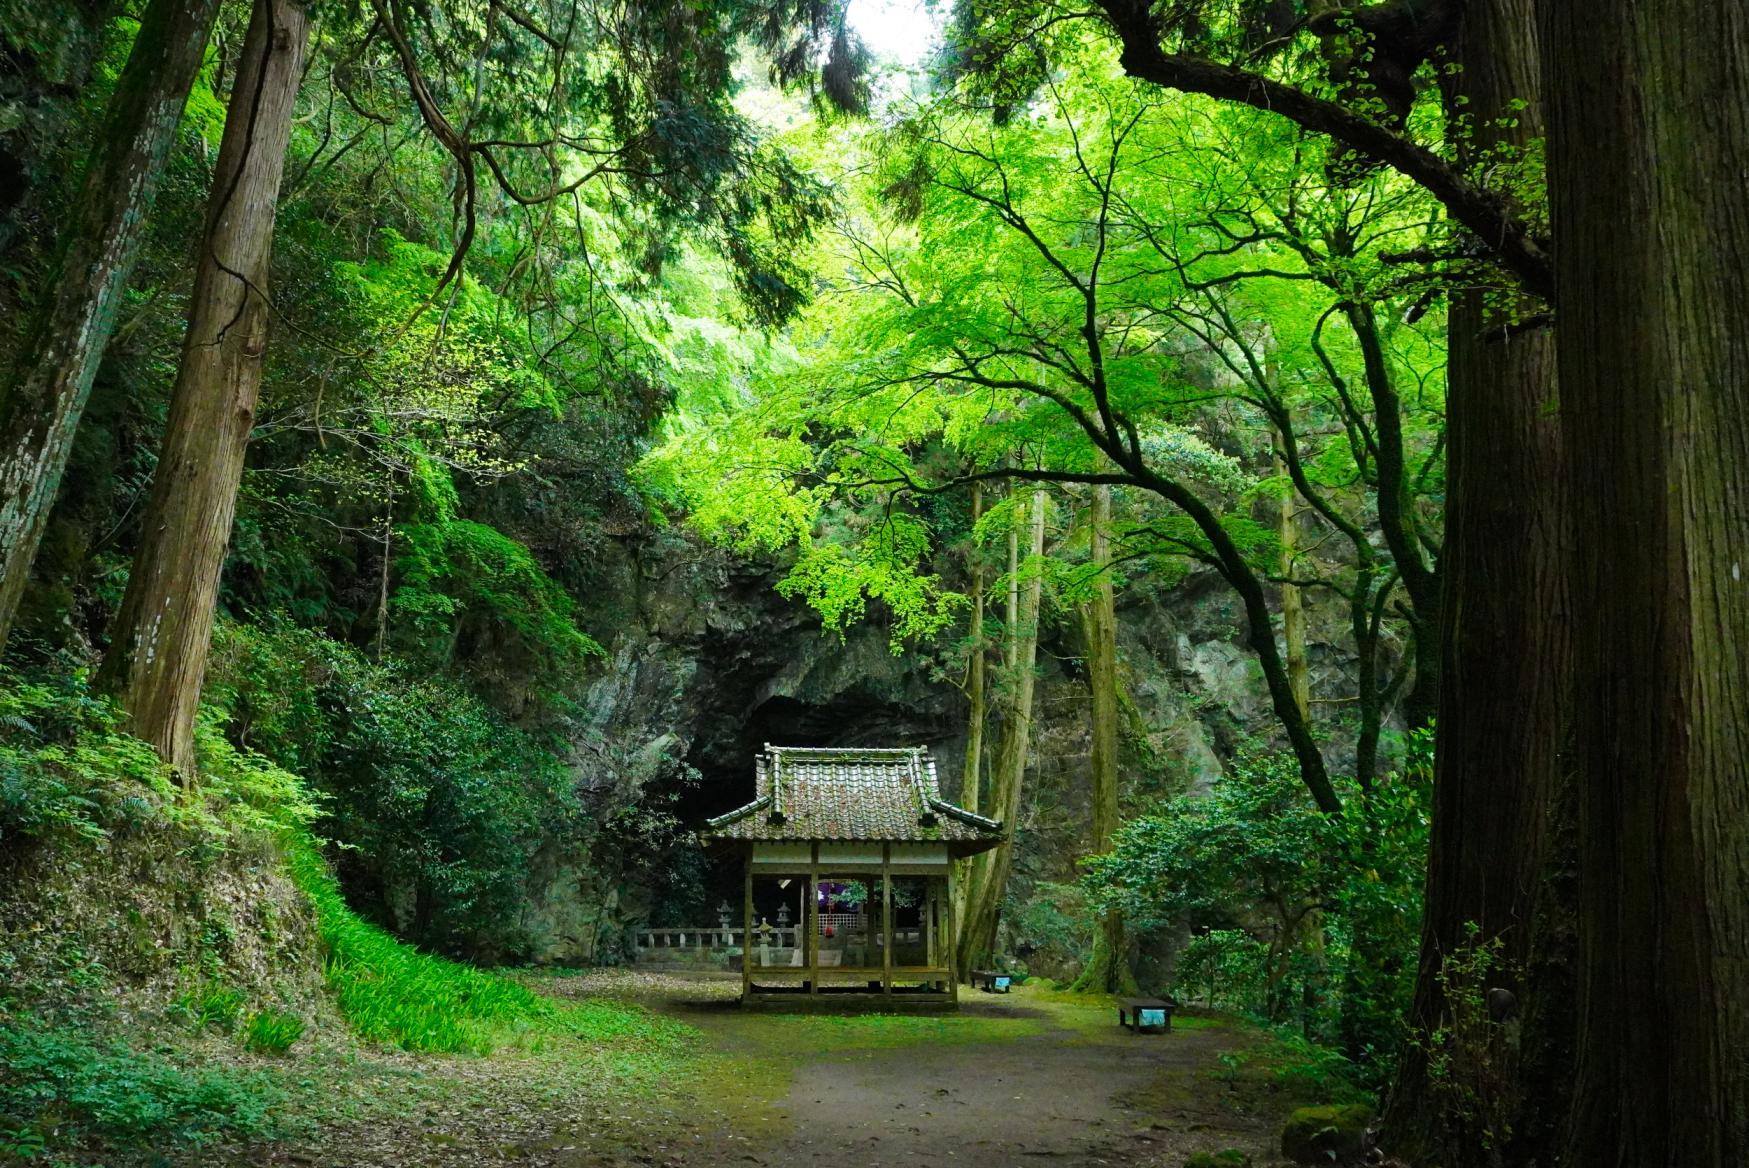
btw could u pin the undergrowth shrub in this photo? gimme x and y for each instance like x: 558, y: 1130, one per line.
x: 1306, y: 921
x: 443, y: 802
x: 60, y: 1083
x: 214, y: 1006
x: 272, y: 1031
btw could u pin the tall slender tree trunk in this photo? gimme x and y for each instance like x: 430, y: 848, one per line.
x: 46, y: 394
x: 977, y: 686
x: 159, y: 650
x: 977, y: 696
x: 1505, y: 651
x: 1396, y: 510
x: 1293, y: 609
x: 1108, y: 967
x: 1649, y: 149
x: 990, y: 869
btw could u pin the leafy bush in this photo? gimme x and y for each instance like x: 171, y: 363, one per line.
x: 456, y: 569
x: 1226, y: 968
x: 1296, y: 917
x: 60, y: 750
x: 1471, y: 1064
x: 272, y: 1031
x: 61, y: 1081
x: 439, y: 804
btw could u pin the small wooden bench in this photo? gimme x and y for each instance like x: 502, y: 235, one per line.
x: 990, y: 981
x: 1145, y: 1015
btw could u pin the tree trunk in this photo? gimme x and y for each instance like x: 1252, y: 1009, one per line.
x: 159, y: 651
x: 977, y: 694
x: 1505, y: 657
x: 46, y: 394
x: 1293, y: 612
x: 1649, y: 148
x: 990, y: 869
x: 976, y: 686
x: 1396, y: 510
x: 1108, y: 968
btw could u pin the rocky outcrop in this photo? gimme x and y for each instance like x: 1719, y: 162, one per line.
x: 706, y: 662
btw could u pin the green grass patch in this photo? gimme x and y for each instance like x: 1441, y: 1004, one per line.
x: 272, y: 1031
x: 392, y: 993
x: 214, y: 1006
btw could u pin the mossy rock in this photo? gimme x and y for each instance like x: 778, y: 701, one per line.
x: 1225, y: 1158
x: 1325, y: 1135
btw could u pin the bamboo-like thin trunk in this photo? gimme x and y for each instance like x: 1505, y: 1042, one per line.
x: 1108, y: 967
x: 990, y: 870
x: 973, y: 774
x: 45, y: 396
x: 159, y: 651
x: 977, y: 693
x: 1293, y: 611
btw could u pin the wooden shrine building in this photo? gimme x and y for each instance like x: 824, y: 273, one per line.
x: 849, y: 877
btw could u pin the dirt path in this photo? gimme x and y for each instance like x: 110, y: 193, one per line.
x: 1029, y: 1078
x: 1057, y: 1095
x: 1025, y: 1078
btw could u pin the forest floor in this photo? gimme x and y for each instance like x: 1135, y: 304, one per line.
x: 1033, y: 1077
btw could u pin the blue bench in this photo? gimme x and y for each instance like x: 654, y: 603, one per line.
x: 1145, y: 1015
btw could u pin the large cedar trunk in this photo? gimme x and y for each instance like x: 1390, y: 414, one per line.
x: 1649, y: 149
x: 1503, y: 695
x: 989, y: 870
x: 51, y: 382
x: 159, y: 650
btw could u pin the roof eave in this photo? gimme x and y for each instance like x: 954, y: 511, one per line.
x: 738, y: 814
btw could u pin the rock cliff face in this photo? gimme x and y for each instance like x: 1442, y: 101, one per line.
x: 707, y: 662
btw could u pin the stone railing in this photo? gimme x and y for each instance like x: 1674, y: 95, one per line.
x: 696, y: 946
x: 710, y: 948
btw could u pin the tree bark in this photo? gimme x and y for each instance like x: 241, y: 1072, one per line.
x: 1505, y: 654
x: 977, y: 695
x: 1108, y: 967
x: 159, y: 649
x: 1293, y: 611
x: 46, y: 394
x: 972, y: 779
x: 1397, y: 522
x: 990, y: 869
x: 1649, y: 146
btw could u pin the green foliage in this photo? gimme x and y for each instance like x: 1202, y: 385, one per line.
x: 1055, y: 918
x: 436, y: 798
x: 211, y: 1005
x: 1295, y: 916
x: 58, y: 758
x: 392, y: 993
x: 1226, y: 968
x: 272, y: 1031
x: 60, y: 1082
x: 457, y: 569
x: 1471, y: 1053
x: 1225, y: 1158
